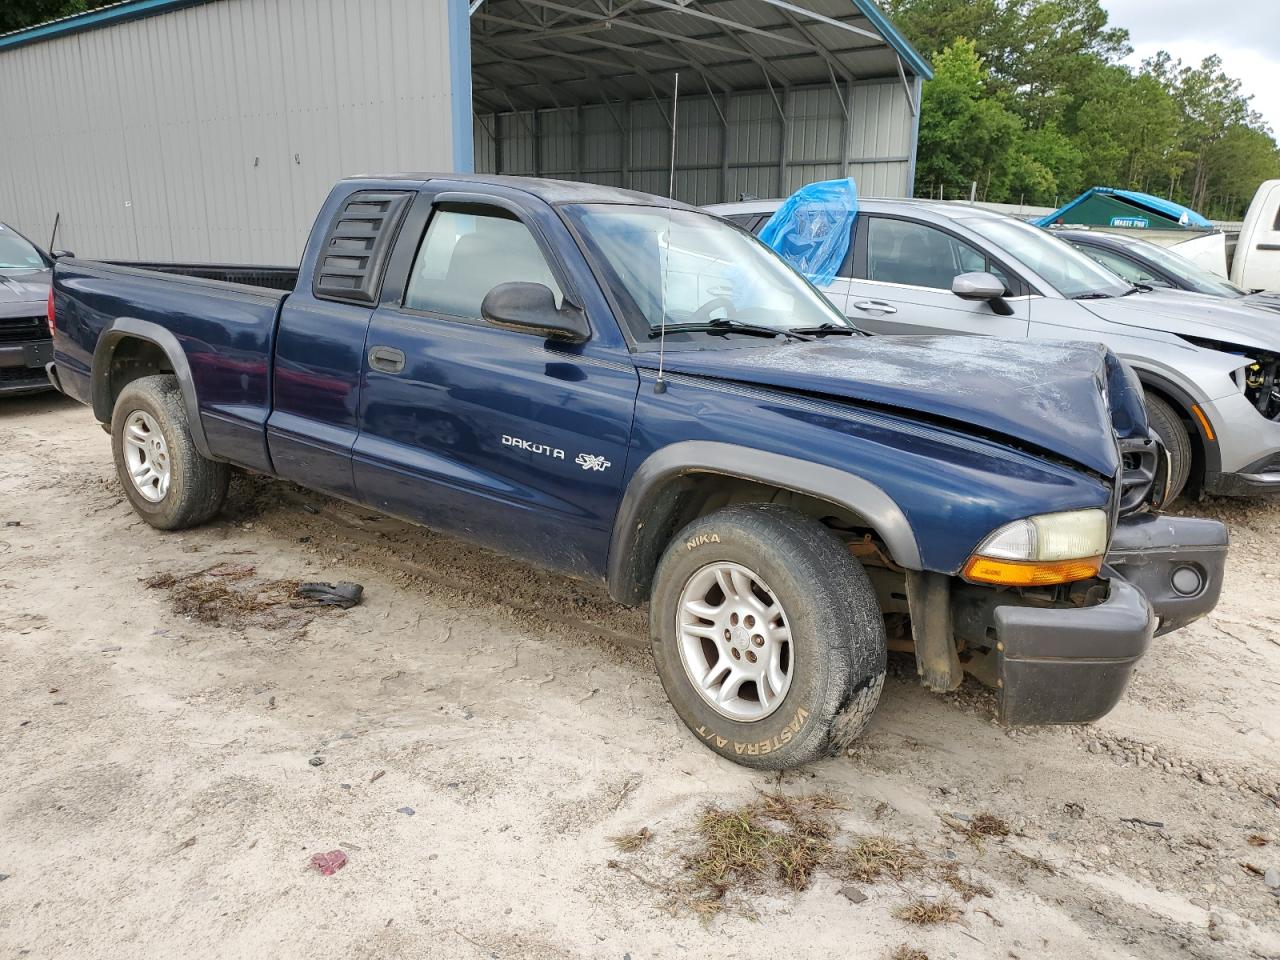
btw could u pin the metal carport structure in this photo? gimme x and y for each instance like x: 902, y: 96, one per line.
x: 773, y: 94
x: 210, y: 130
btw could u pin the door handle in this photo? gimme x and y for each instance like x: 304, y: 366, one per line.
x: 386, y: 359
x: 875, y: 306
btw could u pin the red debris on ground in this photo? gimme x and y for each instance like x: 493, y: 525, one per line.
x: 329, y: 863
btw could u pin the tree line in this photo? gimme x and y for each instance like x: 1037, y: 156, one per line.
x: 1031, y: 102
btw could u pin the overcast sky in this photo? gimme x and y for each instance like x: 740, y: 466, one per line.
x: 1242, y: 32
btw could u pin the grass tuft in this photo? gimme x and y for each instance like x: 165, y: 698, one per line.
x: 905, y: 952
x: 869, y: 859
x: 928, y: 912
x: 967, y: 889
x: 774, y: 836
x: 631, y: 842
x: 988, y: 825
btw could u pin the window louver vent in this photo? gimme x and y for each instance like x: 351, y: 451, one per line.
x: 356, y: 248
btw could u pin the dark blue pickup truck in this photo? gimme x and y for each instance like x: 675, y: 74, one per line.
x: 638, y: 393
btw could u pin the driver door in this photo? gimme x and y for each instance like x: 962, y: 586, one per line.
x: 902, y: 282
x: 502, y: 437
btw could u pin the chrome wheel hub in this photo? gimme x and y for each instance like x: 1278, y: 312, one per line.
x: 146, y: 455
x: 735, y: 641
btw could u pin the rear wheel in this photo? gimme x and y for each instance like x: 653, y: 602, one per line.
x: 168, y: 482
x: 1168, y: 426
x: 767, y: 636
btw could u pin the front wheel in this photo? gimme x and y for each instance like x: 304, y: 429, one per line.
x: 168, y: 482
x: 1167, y: 425
x: 767, y: 636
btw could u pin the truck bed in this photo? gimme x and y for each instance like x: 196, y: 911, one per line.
x: 249, y: 275
x: 222, y: 331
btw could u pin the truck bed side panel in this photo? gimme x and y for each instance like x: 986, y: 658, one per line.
x: 225, y: 331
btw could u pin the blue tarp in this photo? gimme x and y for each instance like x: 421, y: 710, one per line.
x: 1185, y: 216
x: 811, y: 230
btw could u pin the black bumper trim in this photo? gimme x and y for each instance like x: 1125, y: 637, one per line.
x: 1242, y: 484
x: 1147, y: 550
x: 1069, y: 665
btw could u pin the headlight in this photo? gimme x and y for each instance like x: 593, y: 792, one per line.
x: 1040, y: 551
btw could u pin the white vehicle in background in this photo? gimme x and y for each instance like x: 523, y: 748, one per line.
x: 1254, y: 263
x: 1211, y: 370
x: 1250, y: 259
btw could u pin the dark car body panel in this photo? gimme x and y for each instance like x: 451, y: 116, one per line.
x: 25, y: 345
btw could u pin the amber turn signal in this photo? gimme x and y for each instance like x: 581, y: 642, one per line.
x: 1030, y: 573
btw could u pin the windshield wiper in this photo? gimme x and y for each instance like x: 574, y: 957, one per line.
x: 1138, y: 288
x: 830, y: 329
x: 1094, y: 296
x: 727, y: 326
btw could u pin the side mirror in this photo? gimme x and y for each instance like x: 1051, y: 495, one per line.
x: 982, y: 286
x: 59, y: 254
x: 531, y: 308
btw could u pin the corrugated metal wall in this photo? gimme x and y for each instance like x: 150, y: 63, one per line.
x: 214, y: 132
x: 629, y: 144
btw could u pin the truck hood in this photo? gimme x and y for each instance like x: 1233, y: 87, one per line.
x: 1193, y: 315
x: 1049, y: 395
x: 23, y: 293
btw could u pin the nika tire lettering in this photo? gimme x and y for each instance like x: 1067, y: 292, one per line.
x: 767, y: 636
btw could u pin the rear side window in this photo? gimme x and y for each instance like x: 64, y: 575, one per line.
x: 464, y: 255
x: 916, y: 255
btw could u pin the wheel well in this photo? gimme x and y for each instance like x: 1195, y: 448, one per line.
x: 131, y: 359
x: 684, y: 499
x: 1183, y: 412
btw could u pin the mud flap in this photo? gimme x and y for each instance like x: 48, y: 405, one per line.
x: 929, y: 603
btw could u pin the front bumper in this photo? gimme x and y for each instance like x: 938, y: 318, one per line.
x: 1071, y: 664
x: 22, y: 366
x: 1244, y: 459
x: 1259, y: 479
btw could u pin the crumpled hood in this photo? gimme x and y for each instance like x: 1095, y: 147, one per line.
x: 1046, y: 394
x: 1193, y: 315
x: 25, y: 293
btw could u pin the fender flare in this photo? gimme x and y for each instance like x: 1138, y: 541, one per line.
x: 634, y: 536
x: 130, y: 328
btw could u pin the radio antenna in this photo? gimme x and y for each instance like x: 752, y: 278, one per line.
x: 660, y: 385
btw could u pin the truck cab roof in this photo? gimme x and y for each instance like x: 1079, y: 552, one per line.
x: 549, y: 190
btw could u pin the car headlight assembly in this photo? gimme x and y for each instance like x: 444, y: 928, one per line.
x: 1042, y: 551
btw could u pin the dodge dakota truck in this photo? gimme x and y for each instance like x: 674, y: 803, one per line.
x: 638, y: 393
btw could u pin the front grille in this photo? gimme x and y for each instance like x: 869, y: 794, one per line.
x: 1140, y: 465
x: 23, y: 329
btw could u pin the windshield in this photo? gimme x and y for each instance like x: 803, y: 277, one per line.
x: 1200, y: 279
x: 16, y: 253
x: 1070, y: 272
x: 695, y: 269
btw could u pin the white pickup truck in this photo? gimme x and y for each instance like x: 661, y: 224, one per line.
x: 1249, y: 259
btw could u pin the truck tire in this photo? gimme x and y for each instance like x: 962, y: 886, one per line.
x: 767, y: 636
x: 168, y: 482
x: 1168, y: 426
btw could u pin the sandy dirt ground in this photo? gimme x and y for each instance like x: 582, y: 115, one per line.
x: 483, y: 729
